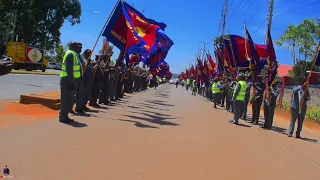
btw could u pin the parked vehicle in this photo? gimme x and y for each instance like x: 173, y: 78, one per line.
x: 51, y: 65
x: 58, y: 66
x: 26, y: 57
x: 5, y: 65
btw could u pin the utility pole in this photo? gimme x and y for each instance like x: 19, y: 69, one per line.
x: 225, y: 8
x: 14, y: 25
x: 271, y: 2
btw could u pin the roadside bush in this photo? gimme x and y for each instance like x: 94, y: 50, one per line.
x: 285, y: 105
x: 313, y: 114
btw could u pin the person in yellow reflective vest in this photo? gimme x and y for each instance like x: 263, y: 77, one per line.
x: 188, y: 84
x: 216, y: 91
x: 194, y: 87
x: 238, y: 98
x: 69, y: 79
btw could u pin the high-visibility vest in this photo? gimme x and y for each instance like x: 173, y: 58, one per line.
x: 76, y: 65
x: 215, y: 88
x: 188, y: 81
x: 242, y: 92
x: 194, y: 83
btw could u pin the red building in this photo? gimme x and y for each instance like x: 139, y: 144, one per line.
x: 283, y: 72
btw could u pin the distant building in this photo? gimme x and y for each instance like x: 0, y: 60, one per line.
x: 283, y: 72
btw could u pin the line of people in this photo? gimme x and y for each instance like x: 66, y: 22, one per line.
x: 236, y: 95
x: 100, y: 83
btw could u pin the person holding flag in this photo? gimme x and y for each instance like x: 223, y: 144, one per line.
x: 300, y: 93
x: 270, y: 105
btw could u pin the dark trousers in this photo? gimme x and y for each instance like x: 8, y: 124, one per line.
x: 256, y: 106
x: 238, y: 110
x: 268, y: 115
x: 223, y: 97
x: 94, y: 93
x: 66, y: 98
x: 227, y: 99
x: 245, y: 109
x: 294, y: 116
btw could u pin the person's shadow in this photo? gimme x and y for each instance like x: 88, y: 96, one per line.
x: 76, y: 124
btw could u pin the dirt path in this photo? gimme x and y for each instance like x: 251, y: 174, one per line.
x: 165, y: 134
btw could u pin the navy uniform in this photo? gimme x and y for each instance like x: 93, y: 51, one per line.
x: 247, y: 98
x: 232, y: 88
x: 238, y: 98
x: 300, y: 93
x: 98, y: 80
x: 257, y: 100
x: 269, y: 106
x: 83, y: 96
x: 69, y: 76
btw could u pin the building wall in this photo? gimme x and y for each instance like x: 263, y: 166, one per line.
x: 314, y: 93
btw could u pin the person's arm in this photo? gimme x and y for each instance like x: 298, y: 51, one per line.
x: 69, y: 68
x: 236, y: 93
x: 295, y: 89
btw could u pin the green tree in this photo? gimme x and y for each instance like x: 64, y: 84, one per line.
x: 300, y: 40
x: 39, y: 23
x: 60, y: 51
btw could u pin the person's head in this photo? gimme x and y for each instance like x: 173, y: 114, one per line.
x: 215, y: 79
x: 79, y: 48
x: 73, y: 46
x: 302, y: 80
x: 241, y: 77
x: 87, y: 53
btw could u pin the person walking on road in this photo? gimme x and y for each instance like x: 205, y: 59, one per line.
x: 216, y: 91
x: 300, y: 93
x: 69, y: 77
x: 238, y: 99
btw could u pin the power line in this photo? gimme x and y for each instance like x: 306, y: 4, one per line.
x: 239, y: 12
x: 247, y: 8
x: 297, y: 8
x: 234, y: 10
x: 258, y: 10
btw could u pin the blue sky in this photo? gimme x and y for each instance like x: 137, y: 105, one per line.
x: 189, y: 23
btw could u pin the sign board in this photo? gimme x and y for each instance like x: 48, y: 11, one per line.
x: 34, y: 55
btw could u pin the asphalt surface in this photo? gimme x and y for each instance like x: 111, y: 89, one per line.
x: 13, y: 85
x: 163, y: 134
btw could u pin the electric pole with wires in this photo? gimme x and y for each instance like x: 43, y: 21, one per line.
x: 270, y: 14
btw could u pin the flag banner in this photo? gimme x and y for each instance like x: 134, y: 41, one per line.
x: 131, y: 32
x: 239, y: 50
x: 272, y: 60
x: 228, y: 53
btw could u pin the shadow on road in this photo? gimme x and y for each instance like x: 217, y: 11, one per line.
x: 154, y: 119
x: 76, y: 124
x: 284, y: 132
x: 161, y: 103
x: 139, y: 124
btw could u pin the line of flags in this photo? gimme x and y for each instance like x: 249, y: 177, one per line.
x: 141, y: 39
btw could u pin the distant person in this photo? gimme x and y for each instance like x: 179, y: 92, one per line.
x: 6, y: 171
x: 300, y: 93
x: 177, y: 83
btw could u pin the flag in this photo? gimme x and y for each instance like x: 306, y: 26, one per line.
x: 130, y: 32
x: 272, y: 60
x: 317, y: 59
x: 143, y: 18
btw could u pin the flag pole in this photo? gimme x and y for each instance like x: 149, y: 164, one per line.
x: 315, y: 57
x: 105, y: 25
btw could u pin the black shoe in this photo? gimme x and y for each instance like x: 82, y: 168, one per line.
x: 233, y: 122
x: 289, y: 135
x: 66, y: 120
x: 256, y: 123
x: 263, y: 127
x: 80, y: 111
x: 298, y: 137
x: 86, y: 109
x: 72, y: 112
x: 249, y: 121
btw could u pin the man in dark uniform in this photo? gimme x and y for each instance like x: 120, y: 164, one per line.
x: 69, y: 77
x: 270, y: 105
x: 238, y: 98
x: 247, y: 97
x: 98, y: 80
x: 84, y: 95
x: 232, y: 88
x: 257, y: 100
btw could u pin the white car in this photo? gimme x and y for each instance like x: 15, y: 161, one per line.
x: 51, y: 65
x: 58, y: 66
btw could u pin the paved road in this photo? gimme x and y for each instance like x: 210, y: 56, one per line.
x: 13, y: 85
x: 163, y: 134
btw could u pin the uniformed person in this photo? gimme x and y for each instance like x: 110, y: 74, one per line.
x: 188, y: 84
x: 69, y: 77
x: 194, y: 87
x: 270, y: 105
x: 232, y: 88
x: 257, y: 100
x: 300, y: 93
x: 247, y: 96
x: 216, y: 91
x: 238, y: 99
x: 84, y: 95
